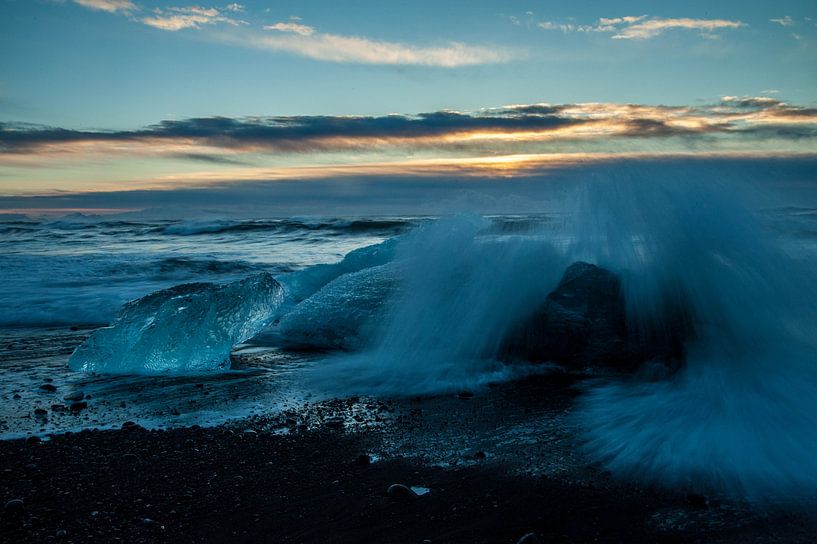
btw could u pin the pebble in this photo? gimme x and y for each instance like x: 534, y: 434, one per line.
x: 697, y: 501
x: 40, y: 412
x: 74, y: 396
x: 401, y: 492
x: 363, y: 459
x: 15, y: 506
x: 529, y: 538
x: 48, y: 387
x: 78, y: 406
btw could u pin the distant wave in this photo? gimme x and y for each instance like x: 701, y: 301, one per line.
x: 221, y: 226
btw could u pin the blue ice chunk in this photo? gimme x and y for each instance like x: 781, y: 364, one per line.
x: 185, y: 329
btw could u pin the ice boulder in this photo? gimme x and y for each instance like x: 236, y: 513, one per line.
x: 185, y: 329
x: 341, y: 315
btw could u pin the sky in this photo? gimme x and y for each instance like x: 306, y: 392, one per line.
x: 107, y: 97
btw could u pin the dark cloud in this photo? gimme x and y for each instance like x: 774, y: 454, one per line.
x: 310, y: 133
x: 287, y: 133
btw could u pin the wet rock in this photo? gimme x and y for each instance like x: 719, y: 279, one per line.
x: 529, y: 538
x: 479, y: 456
x: 40, y: 412
x: 78, y: 406
x: 57, y: 407
x: 697, y: 501
x: 61, y: 533
x: 15, y: 506
x: 583, y: 323
x: 401, y: 492
x: 33, y: 440
x: 334, y: 422
x: 74, y: 396
x: 363, y: 459
x: 48, y: 387
x: 16, y: 396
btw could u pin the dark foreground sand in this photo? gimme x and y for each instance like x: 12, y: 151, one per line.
x: 321, y: 475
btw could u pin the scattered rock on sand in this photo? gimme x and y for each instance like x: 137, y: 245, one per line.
x: 15, y: 506
x: 401, y: 492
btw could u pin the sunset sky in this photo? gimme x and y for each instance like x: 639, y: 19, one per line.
x: 100, y: 98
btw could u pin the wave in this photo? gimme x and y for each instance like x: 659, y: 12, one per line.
x: 222, y: 226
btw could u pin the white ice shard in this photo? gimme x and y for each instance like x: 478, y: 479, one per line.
x: 185, y: 329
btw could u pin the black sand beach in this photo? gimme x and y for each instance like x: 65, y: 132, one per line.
x: 322, y: 474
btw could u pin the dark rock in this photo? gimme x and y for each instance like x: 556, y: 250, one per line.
x: 78, y: 406
x: 16, y: 396
x: 363, y: 459
x: 57, y: 407
x: 529, y: 538
x: 15, y: 506
x: 33, y: 440
x: 583, y: 323
x: 40, y: 412
x: 74, y: 396
x: 48, y: 387
x: 401, y: 492
x: 465, y: 395
x: 61, y: 533
x: 480, y: 455
x: 334, y: 422
x: 697, y: 501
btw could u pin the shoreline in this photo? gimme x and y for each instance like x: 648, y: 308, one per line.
x: 321, y: 473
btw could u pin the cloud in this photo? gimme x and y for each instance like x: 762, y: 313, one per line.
x: 235, y: 7
x: 643, y: 30
x: 173, y: 18
x: 111, y: 6
x: 642, y: 27
x: 783, y: 21
x: 306, y: 41
x: 519, y: 128
x: 295, y: 28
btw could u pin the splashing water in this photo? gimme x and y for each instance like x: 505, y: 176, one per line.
x: 741, y: 417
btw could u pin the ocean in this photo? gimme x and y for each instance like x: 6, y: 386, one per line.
x: 418, y: 305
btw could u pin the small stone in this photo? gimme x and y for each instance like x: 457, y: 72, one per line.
x: 480, y: 455
x: 61, y: 533
x: 78, y: 406
x: 57, y: 407
x: 465, y: 395
x: 15, y: 506
x: 529, y: 538
x: 48, y: 387
x: 74, y: 396
x: 16, y: 396
x: 363, y: 459
x: 130, y: 458
x: 33, y: 440
x: 40, y: 412
x: 147, y: 522
x: 697, y: 501
x: 401, y: 492
x: 129, y: 425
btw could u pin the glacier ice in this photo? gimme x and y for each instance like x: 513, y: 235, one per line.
x: 342, y: 314
x: 185, y: 329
